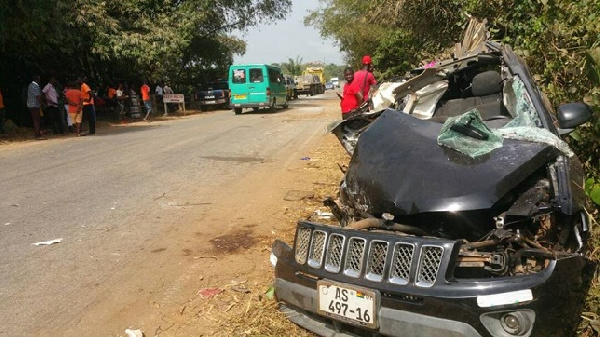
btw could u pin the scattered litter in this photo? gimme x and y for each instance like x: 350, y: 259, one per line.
x: 243, y: 290
x: 134, y: 333
x: 15, y: 205
x: 296, y: 195
x: 323, y: 215
x: 209, y: 292
x: 112, y: 208
x: 6, y: 224
x: 305, y: 158
x: 49, y: 242
x: 270, y: 293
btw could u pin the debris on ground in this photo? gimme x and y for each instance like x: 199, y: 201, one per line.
x: 49, y: 242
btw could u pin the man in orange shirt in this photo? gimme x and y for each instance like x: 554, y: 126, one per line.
x: 89, y: 111
x: 145, y: 90
x: 2, y: 131
x: 74, y: 101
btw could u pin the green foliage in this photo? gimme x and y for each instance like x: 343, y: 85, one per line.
x: 185, y: 40
x: 293, y: 67
x: 333, y: 70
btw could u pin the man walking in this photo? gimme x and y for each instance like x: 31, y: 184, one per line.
x: 364, y: 78
x: 89, y: 111
x: 51, y: 111
x: 145, y: 90
x: 34, y: 104
x: 158, y: 91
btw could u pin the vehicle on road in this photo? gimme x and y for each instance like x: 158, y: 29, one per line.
x: 213, y: 95
x: 306, y: 85
x: 335, y: 81
x: 319, y: 73
x: 329, y: 86
x: 290, y: 87
x: 461, y: 212
x: 256, y: 86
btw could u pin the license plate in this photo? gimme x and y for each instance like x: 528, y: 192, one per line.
x: 210, y: 102
x: 348, y: 303
x: 239, y: 96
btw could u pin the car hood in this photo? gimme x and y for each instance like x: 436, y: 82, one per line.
x: 397, y: 167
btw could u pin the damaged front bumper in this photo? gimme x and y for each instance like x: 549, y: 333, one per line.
x: 410, y: 283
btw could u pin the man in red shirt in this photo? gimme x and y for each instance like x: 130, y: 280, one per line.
x: 352, y: 96
x: 364, y: 77
x: 145, y: 90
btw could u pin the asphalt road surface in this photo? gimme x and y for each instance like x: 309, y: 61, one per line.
x: 120, y: 201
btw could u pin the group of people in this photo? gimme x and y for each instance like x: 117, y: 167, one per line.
x: 77, y: 99
x: 356, y: 89
x: 64, y: 109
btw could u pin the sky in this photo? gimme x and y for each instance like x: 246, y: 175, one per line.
x: 287, y: 39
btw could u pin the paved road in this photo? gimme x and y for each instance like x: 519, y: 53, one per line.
x: 112, y: 196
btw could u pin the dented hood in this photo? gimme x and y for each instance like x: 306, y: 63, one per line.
x: 398, y: 168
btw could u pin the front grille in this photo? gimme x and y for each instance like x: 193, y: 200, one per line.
x: 398, y: 260
x: 354, y: 259
x: 431, y: 256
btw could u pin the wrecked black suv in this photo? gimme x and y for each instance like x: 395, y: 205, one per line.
x: 461, y: 212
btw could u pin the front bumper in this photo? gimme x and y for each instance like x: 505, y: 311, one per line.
x: 442, y: 306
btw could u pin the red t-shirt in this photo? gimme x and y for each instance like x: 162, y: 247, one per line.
x: 145, y: 92
x: 73, y: 99
x: 359, y: 79
x: 349, y: 100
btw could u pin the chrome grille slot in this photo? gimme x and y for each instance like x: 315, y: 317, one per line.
x: 302, y: 242
x: 376, y: 260
x: 403, y: 255
x: 429, y: 264
x: 334, y: 253
x: 317, y: 248
x: 354, y: 257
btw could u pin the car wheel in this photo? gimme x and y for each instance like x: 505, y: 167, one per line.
x: 255, y: 108
x: 237, y: 110
x: 203, y: 108
x: 285, y: 105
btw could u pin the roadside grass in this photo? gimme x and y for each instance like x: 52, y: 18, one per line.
x: 590, y: 317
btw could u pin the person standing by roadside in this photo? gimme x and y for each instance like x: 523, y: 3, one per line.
x: 158, y: 91
x: 352, y: 95
x: 34, y: 104
x: 74, y: 100
x: 145, y: 90
x: 2, y: 130
x: 51, y: 111
x: 89, y: 111
x: 167, y: 91
x: 364, y: 78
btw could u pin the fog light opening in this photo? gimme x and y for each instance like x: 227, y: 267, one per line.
x: 515, y: 323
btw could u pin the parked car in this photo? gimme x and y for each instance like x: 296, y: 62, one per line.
x: 461, y: 212
x: 290, y: 86
x: 213, y: 95
x: 256, y: 86
x: 329, y: 86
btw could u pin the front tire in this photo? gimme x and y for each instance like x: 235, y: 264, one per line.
x: 237, y: 110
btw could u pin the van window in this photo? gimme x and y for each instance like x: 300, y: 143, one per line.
x: 256, y: 75
x: 239, y: 75
x: 274, y: 75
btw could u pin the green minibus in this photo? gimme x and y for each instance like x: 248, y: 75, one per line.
x: 256, y: 86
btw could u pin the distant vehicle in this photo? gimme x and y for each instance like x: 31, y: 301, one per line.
x: 320, y: 73
x: 256, y: 86
x: 307, y: 85
x: 335, y: 81
x: 329, y: 85
x: 290, y: 86
x: 213, y: 94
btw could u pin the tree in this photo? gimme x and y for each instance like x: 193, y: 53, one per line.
x: 293, y: 67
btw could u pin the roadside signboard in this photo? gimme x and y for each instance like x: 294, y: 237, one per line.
x: 174, y: 98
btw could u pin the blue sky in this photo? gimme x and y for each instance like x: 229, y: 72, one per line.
x: 288, y: 39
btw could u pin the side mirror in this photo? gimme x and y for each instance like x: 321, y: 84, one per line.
x: 571, y: 115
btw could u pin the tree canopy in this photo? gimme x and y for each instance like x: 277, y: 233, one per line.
x: 126, y: 39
